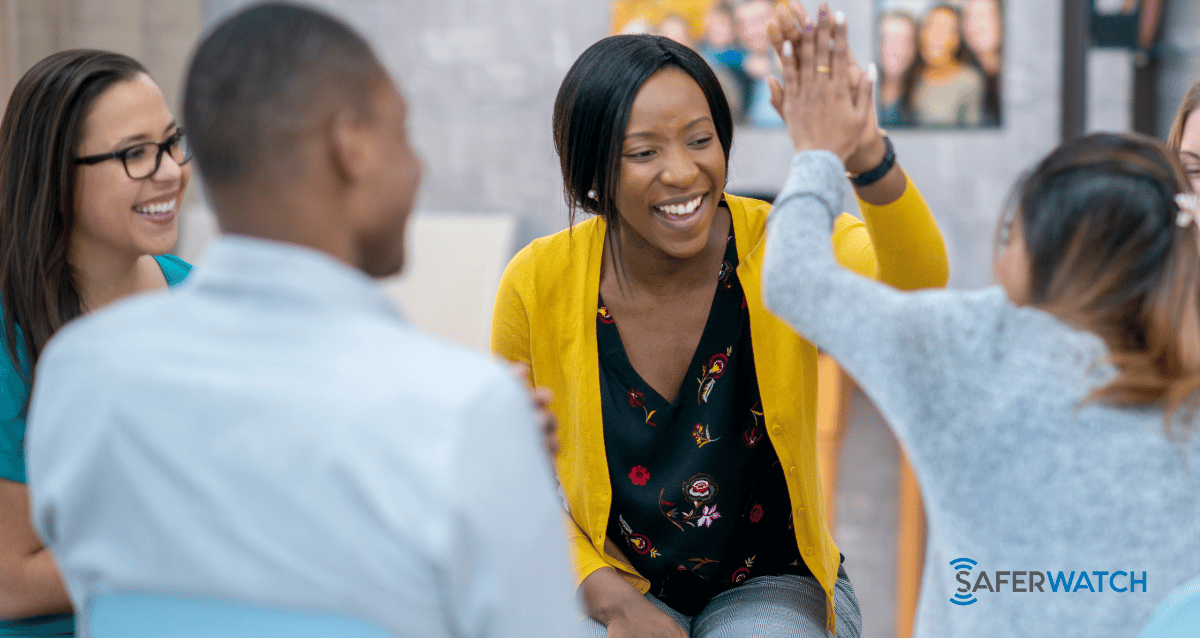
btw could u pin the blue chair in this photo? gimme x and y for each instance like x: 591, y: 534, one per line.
x: 1178, y: 616
x: 155, y: 615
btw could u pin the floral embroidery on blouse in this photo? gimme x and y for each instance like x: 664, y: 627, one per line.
x: 723, y: 276
x: 698, y: 490
x: 604, y: 315
x: 742, y: 573
x: 753, y: 435
x: 637, y: 542
x: 639, y: 475
x: 637, y: 400
x: 712, y: 372
x: 703, y: 436
x: 756, y: 513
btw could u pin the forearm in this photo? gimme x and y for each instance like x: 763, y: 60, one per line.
x: 607, y: 596
x: 32, y: 586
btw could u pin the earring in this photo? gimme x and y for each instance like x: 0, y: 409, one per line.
x: 592, y: 194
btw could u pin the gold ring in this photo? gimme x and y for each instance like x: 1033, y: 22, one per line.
x: 823, y: 69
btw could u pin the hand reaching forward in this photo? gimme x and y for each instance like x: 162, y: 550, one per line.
x: 826, y: 99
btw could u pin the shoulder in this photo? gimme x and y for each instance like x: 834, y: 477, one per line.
x: 173, y: 268
x: 552, y: 256
x: 749, y: 216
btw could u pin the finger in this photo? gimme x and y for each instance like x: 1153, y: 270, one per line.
x: 542, y: 396
x: 520, y: 370
x: 806, y: 54
x: 824, y: 34
x: 866, y: 99
x: 799, y: 14
x: 839, y: 60
x: 776, y: 95
x: 789, y: 23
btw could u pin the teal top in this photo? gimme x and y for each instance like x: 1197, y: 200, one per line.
x: 14, y: 399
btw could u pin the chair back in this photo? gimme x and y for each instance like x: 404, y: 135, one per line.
x: 159, y: 615
x: 1178, y: 616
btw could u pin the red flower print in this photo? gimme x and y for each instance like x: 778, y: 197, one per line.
x: 756, y: 513
x: 752, y: 436
x: 710, y: 373
x: 700, y: 489
x: 639, y: 475
x: 639, y: 543
x: 716, y: 365
x: 636, y: 399
x: 604, y: 315
x: 742, y: 573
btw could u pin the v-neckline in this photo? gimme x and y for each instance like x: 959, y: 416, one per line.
x: 618, y: 357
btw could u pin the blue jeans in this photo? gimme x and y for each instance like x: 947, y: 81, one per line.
x: 766, y: 607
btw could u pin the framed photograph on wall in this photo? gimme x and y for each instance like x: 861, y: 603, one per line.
x: 730, y: 34
x: 940, y: 63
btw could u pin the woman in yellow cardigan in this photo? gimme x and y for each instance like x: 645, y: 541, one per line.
x: 687, y: 411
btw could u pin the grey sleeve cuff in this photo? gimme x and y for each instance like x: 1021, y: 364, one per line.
x: 818, y: 174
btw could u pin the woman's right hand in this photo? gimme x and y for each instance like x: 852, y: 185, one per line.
x: 825, y: 100
x: 626, y: 613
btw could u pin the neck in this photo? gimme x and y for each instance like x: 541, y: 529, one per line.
x: 299, y: 216
x: 651, y: 271
x: 103, y: 277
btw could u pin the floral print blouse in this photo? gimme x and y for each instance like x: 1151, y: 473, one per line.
x: 699, y: 503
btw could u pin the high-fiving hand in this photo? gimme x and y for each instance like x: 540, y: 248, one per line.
x: 825, y: 99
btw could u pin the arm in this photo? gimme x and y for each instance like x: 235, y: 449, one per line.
x: 506, y: 571
x: 29, y: 580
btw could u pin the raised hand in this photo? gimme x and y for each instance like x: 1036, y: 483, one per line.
x: 825, y: 99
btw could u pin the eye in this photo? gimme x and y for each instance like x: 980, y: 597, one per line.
x: 640, y: 155
x: 136, y: 152
x: 703, y: 141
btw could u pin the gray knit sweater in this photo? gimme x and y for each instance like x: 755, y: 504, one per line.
x: 1018, y: 473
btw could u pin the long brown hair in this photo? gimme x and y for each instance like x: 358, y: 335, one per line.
x: 39, y: 138
x: 1099, y: 220
x: 1191, y: 101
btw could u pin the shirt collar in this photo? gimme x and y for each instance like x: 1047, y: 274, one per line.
x: 269, y: 270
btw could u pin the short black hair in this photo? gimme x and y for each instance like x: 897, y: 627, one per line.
x: 592, y: 111
x: 258, y: 79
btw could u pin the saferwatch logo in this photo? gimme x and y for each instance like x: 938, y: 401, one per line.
x: 1031, y: 581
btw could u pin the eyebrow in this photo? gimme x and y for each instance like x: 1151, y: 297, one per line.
x: 686, y: 126
x: 140, y: 137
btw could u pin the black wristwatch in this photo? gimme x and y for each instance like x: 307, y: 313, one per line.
x: 877, y: 173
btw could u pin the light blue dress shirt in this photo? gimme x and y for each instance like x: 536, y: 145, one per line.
x: 274, y: 432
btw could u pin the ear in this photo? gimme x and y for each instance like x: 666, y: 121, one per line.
x: 353, y: 146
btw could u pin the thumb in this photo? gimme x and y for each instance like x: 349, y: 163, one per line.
x: 776, y: 95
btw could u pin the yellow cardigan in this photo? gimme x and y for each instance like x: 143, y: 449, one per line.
x: 545, y: 316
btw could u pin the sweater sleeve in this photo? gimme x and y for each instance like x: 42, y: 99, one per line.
x: 907, y: 350
x: 510, y: 321
x: 897, y: 243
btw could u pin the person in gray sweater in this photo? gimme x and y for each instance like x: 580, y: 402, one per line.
x: 1051, y: 421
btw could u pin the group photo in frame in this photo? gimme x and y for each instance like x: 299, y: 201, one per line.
x: 940, y: 63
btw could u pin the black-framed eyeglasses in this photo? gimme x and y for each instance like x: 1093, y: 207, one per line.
x: 142, y: 160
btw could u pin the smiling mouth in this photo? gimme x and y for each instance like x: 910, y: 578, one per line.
x: 678, y: 212
x: 156, y: 209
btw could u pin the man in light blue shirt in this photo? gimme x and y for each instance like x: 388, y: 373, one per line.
x: 274, y: 432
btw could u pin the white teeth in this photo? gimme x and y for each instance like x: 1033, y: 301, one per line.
x: 151, y: 209
x: 681, y: 209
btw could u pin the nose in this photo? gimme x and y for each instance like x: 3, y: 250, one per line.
x: 679, y: 170
x: 168, y: 169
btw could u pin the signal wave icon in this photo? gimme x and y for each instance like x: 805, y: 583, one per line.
x: 963, y: 566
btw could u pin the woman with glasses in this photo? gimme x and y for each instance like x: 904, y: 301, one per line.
x: 93, y: 168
